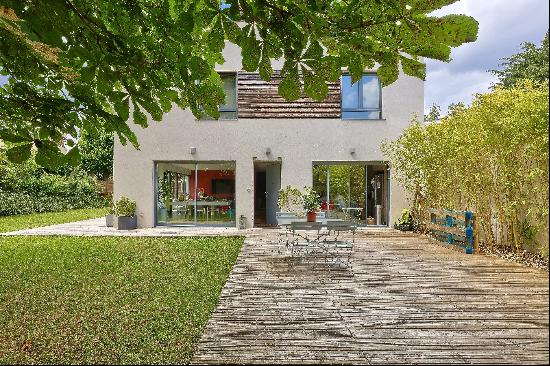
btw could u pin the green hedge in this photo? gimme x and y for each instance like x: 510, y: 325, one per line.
x: 490, y: 158
x: 18, y: 203
x: 27, y: 188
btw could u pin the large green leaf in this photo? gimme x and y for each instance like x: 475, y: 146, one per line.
x: 265, y: 67
x: 139, y: 117
x: 13, y: 137
x: 314, y: 51
x: 289, y: 88
x: 388, y: 72
x: 413, y: 68
x: 173, y: 9
x: 19, y: 153
x: 216, y: 37
x: 231, y: 29
x: 49, y: 155
x: 314, y: 85
x: 122, y: 108
x: 251, y: 53
x: 72, y: 157
x: 356, y: 68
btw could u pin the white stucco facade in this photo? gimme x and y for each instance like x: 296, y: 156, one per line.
x: 296, y: 143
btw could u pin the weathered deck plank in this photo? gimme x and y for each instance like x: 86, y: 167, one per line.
x: 405, y: 300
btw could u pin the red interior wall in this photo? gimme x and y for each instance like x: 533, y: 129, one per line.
x: 205, y: 182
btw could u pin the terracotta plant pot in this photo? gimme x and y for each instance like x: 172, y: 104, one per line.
x: 311, y: 216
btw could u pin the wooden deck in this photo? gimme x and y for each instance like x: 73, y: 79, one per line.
x: 406, y: 300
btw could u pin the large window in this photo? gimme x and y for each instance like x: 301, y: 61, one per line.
x: 353, y: 191
x: 228, y: 110
x: 196, y: 193
x: 361, y: 100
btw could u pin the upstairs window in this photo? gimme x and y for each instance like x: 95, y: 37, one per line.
x: 228, y: 110
x: 362, y: 100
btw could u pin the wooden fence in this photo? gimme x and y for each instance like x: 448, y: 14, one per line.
x: 458, y: 228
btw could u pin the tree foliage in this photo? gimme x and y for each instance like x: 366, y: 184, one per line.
x: 74, y: 63
x: 433, y: 114
x: 531, y: 63
x: 491, y: 158
x: 96, y: 150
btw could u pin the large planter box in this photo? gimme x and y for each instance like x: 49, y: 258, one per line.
x: 109, y: 220
x: 285, y: 218
x: 126, y: 222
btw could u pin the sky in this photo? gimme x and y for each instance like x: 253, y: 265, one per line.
x: 503, y: 26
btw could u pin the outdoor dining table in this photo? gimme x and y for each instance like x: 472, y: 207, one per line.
x: 305, y: 238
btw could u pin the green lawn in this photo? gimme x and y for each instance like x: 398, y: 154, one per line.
x: 106, y: 299
x: 20, y: 222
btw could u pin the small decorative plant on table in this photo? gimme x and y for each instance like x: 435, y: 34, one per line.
x: 311, y: 203
x: 125, y: 210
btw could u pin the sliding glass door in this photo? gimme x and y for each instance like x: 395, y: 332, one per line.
x: 352, y: 191
x: 195, y: 193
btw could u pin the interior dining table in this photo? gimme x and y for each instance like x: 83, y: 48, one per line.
x: 208, y: 205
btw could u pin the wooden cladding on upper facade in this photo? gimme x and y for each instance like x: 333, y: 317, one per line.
x: 259, y: 99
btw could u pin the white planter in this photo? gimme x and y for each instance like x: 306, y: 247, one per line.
x: 285, y: 218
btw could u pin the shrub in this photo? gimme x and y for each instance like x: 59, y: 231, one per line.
x: 21, y: 203
x: 125, y: 207
x: 490, y: 158
x: 27, y: 188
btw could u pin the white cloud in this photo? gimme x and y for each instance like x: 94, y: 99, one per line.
x: 446, y: 88
x: 503, y: 26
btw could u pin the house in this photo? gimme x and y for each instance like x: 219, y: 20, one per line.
x: 228, y: 171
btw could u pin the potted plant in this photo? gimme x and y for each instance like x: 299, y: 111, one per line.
x: 109, y: 218
x: 405, y: 222
x: 165, y: 197
x: 311, y: 203
x: 126, y: 214
x: 290, y: 205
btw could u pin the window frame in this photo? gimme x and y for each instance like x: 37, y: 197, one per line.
x: 228, y: 109
x: 360, y: 98
x: 223, y: 108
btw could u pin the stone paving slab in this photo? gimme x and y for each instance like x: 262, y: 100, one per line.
x: 406, y: 299
x: 97, y: 227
